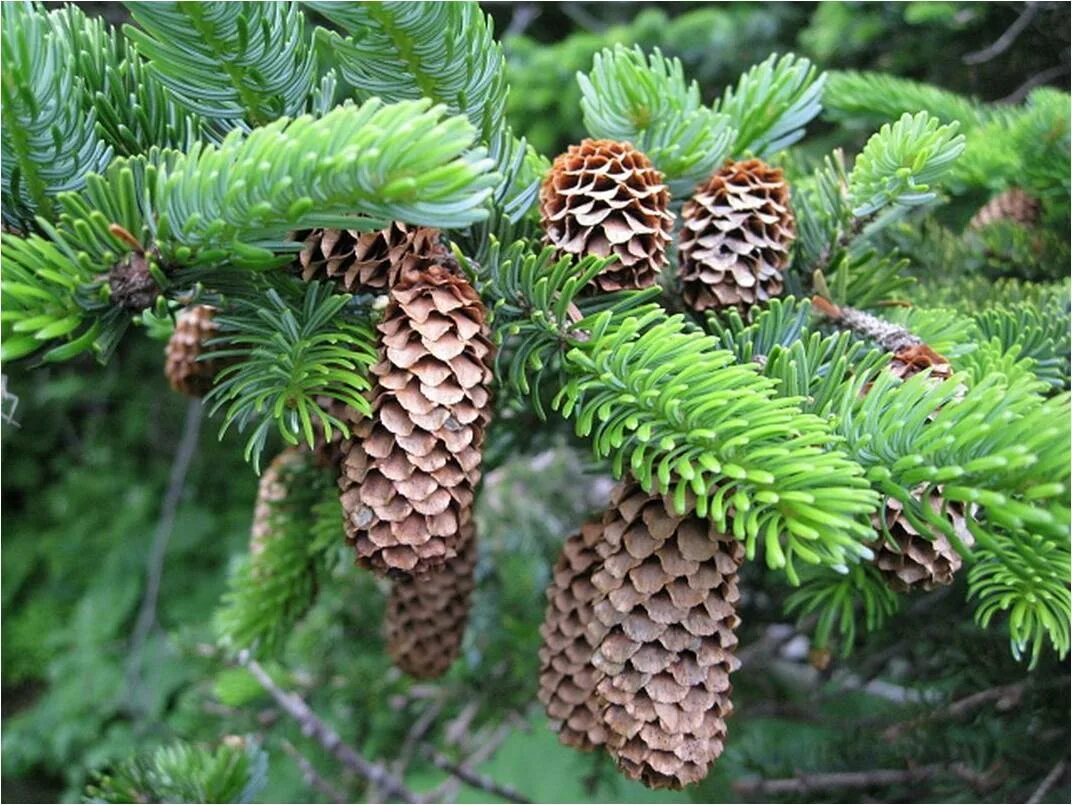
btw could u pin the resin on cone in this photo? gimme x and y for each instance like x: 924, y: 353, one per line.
x: 193, y: 328
x: 363, y: 262
x: 567, y: 676
x: 736, y: 233
x: 1010, y: 205
x: 408, y: 475
x: 916, y: 561
x: 664, y: 635
x: 605, y: 198
x: 426, y: 615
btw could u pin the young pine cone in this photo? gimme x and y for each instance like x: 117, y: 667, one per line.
x: 918, y: 562
x: 271, y: 492
x: 188, y: 375
x: 426, y: 614
x: 735, y: 237
x: 360, y: 262
x: 407, y: 478
x: 605, y: 198
x: 1010, y: 205
x: 664, y: 635
x: 567, y: 676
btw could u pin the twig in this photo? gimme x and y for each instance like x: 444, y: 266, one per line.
x: 470, y: 777
x: 154, y: 571
x: 311, y: 775
x: 486, y: 748
x: 809, y: 783
x: 294, y: 706
x: 1037, y: 79
x: 524, y: 15
x: 1048, y: 782
x: 1004, y: 42
x: 1006, y: 696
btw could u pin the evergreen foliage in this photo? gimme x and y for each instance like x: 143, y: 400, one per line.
x: 193, y: 150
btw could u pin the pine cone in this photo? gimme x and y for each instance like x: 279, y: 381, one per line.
x: 567, y: 676
x: 426, y: 615
x: 271, y: 491
x: 360, y: 262
x: 188, y: 375
x: 735, y: 237
x: 664, y: 628
x: 407, y: 478
x: 1010, y: 205
x: 604, y: 197
x: 918, y: 562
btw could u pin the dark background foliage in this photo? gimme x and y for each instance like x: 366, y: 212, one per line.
x: 88, y: 452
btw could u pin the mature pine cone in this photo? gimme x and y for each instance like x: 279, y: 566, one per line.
x: 567, y: 676
x: 360, y: 262
x: 1010, y: 205
x: 426, y: 614
x: 193, y: 327
x: 735, y: 237
x: 604, y: 197
x: 271, y: 491
x: 918, y: 562
x: 664, y: 628
x: 407, y: 478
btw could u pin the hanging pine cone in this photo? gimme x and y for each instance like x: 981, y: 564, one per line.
x: 664, y: 635
x: 271, y: 491
x: 188, y: 375
x: 407, y: 478
x: 426, y: 614
x: 605, y: 198
x: 918, y: 562
x: 567, y: 676
x: 735, y: 237
x: 1010, y: 205
x: 360, y: 262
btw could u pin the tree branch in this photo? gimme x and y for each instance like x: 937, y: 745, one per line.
x: 294, y: 706
x: 1004, y: 42
x: 809, y: 783
x: 1048, y: 782
x: 154, y: 571
x: 1005, y: 696
x: 310, y: 774
x: 470, y: 777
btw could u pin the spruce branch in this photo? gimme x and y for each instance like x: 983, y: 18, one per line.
x: 643, y: 99
x: 289, y: 354
x: 772, y: 103
x: 229, y: 62
x: 49, y: 139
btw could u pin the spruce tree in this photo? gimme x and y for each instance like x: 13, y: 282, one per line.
x: 364, y: 263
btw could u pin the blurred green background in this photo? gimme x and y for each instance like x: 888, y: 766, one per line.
x: 88, y: 451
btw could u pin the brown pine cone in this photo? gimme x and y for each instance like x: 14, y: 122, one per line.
x: 360, y: 262
x: 407, y: 478
x: 605, y: 198
x: 427, y: 614
x: 918, y: 562
x: 188, y: 375
x: 1010, y: 205
x: 664, y: 628
x: 736, y: 233
x: 567, y: 676
x: 271, y: 491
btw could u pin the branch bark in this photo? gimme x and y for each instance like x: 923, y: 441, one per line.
x: 311, y: 775
x: 470, y: 777
x: 1048, y: 782
x: 294, y: 706
x: 1004, y: 42
x: 810, y: 783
